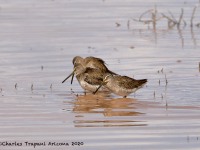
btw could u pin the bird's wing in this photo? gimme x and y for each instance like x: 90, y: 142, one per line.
x: 99, y: 59
x: 128, y: 82
x: 93, y: 76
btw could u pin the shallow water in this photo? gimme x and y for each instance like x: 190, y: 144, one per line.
x: 38, y: 42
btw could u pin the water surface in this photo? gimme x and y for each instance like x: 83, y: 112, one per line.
x: 38, y: 42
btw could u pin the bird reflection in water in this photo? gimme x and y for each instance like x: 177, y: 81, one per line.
x: 96, y: 111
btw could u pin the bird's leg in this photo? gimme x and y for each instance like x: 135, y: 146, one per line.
x: 98, y: 88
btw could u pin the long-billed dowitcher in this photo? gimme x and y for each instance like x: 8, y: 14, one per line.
x: 88, y: 78
x: 91, y: 62
x: 121, y: 85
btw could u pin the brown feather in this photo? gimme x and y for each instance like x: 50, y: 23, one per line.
x: 129, y: 83
x: 93, y: 76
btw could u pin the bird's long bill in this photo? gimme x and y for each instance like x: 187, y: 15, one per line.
x: 72, y: 78
x: 71, y: 74
x: 97, y: 89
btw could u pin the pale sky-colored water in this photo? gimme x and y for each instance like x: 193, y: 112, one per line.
x: 49, y: 33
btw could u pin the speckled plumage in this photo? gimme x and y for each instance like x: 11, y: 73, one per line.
x: 122, y: 85
x: 89, y: 62
x: 92, y: 62
x: 90, y: 79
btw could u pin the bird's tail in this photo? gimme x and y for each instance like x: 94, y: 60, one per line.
x: 142, y: 81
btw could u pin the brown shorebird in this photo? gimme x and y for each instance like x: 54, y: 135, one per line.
x: 89, y: 78
x: 121, y: 85
x: 90, y: 62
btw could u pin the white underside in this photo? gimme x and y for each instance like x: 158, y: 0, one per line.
x: 88, y: 87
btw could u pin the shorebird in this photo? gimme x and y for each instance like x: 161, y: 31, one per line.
x: 89, y: 78
x: 121, y: 85
x: 90, y: 62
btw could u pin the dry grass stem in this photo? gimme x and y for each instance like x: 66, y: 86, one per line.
x: 128, y: 24
x: 32, y: 87
x: 16, y: 86
x: 155, y: 16
x: 166, y: 79
x: 161, y: 70
x: 166, y: 104
x: 199, y: 66
x: 181, y: 17
x: 192, y: 18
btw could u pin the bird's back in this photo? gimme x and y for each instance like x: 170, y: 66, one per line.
x: 129, y: 83
x: 93, y: 76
